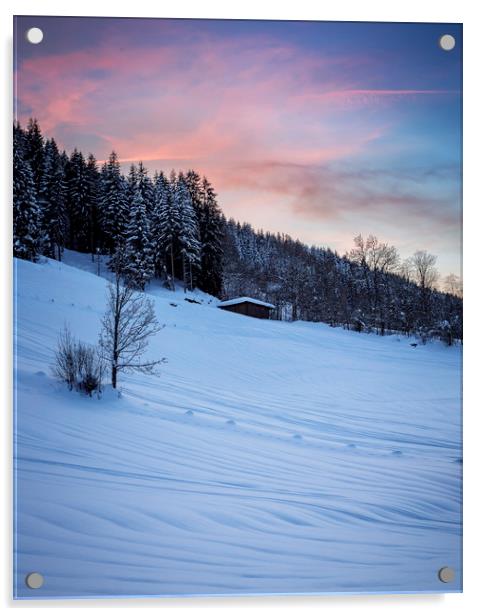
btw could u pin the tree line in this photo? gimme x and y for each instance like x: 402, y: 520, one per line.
x: 368, y: 289
x: 171, y: 227
x: 165, y: 227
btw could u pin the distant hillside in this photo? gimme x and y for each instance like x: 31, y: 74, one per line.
x: 170, y: 226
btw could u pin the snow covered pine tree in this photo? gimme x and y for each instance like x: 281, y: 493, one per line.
x: 26, y: 213
x: 138, y: 267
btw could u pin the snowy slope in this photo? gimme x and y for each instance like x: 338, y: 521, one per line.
x: 268, y: 457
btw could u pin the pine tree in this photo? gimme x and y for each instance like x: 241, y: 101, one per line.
x: 146, y: 188
x: 51, y: 199
x: 78, y: 206
x: 168, y: 226
x: 132, y: 183
x: 138, y: 266
x: 64, y: 161
x: 194, y: 186
x: 158, y: 218
x: 113, y: 212
x: 189, y: 244
x: 93, y: 195
x: 26, y: 215
x: 138, y: 179
x: 19, y: 138
x: 34, y: 151
x: 211, y: 225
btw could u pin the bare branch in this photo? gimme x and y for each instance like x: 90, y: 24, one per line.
x: 127, y: 325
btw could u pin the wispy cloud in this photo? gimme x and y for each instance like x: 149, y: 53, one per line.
x: 278, y: 126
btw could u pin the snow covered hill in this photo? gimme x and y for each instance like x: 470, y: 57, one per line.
x: 268, y: 457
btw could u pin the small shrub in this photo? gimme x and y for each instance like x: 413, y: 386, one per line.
x: 64, y: 366
x: 90, y: 369
x: 77, y: 364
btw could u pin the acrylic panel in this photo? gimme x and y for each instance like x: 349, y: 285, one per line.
x: 238, y: 307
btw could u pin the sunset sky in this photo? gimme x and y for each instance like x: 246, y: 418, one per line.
x: 319, y: 130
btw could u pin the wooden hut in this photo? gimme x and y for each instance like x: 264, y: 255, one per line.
x: 248, y: 306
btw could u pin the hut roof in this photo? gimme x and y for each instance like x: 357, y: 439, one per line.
x: 242, y: 300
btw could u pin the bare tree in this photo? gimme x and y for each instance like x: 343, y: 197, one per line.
x: 423, y: 266
x: 379, y: 258
x: 376, y: 255
x: 127, y: 325
x: 453, y: 285
x: 405, y: 270
x: 426, y: 276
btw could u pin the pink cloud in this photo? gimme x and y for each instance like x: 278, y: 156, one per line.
x: 180, y: 103
x: 265, y: 121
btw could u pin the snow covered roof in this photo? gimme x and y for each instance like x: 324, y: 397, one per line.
x: 242, y: 300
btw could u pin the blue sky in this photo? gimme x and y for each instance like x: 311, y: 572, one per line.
x: 322, y: 130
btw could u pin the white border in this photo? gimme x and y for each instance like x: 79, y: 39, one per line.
x: 350, y: 10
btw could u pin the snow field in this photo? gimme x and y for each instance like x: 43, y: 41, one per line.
x: 267, y: 457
